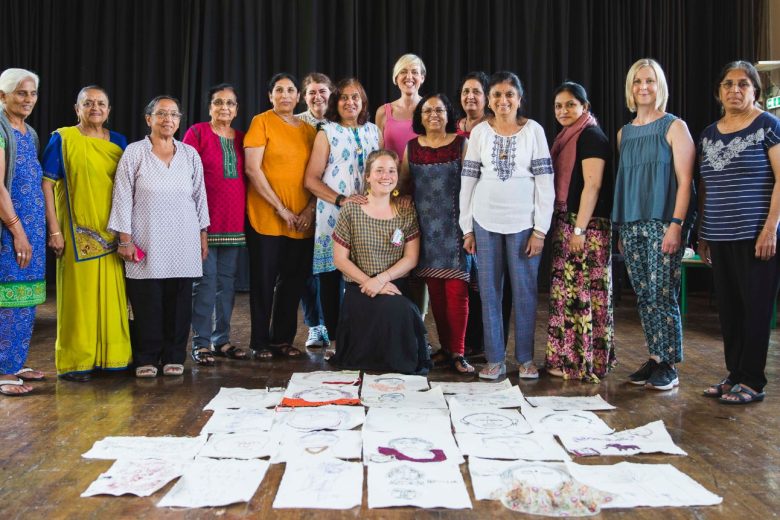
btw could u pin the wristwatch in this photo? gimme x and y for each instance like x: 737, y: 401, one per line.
x: 339, y: 199
x: 578, y: 231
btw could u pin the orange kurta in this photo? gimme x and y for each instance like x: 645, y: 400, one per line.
x: 287, y: 150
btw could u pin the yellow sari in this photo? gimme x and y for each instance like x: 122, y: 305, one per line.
x: 92, y: 322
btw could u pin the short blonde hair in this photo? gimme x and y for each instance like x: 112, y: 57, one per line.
x: 662, y: 94
x: 12, y: 78
x: 406, y: 61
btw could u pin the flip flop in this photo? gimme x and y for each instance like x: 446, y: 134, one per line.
x: 12, y: 382
x: 29, y: 374
x: 742, y: 395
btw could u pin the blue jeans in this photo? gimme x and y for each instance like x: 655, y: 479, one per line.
x: 496, y: 251
x: 310, y: 301
x: 212, y: 298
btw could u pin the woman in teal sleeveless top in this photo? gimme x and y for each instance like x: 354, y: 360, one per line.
x: 652, y: 195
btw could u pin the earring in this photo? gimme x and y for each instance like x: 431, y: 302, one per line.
x: 368, y: 190
x: 396, y: 192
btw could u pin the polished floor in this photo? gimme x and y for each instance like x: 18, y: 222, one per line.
x: 733, y: 451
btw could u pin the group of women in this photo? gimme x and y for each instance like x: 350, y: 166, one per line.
x: 352, y: 216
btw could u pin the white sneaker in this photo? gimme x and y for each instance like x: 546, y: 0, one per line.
x: 315, y: 338
x: 324, y: 335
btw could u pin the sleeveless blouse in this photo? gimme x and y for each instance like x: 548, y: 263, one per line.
x: 436, y: 180
x: 397, y: 133
x: 646, y: 186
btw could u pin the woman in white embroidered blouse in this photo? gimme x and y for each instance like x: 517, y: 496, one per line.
x: 506, y: 204
x: 160, y: 213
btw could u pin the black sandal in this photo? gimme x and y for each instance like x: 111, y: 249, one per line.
x: 719, y: 389
x: 461, y: 366
x: 203, y: 357
x: 289, y: 351
x: 264, y: 354
x: 232, y: 352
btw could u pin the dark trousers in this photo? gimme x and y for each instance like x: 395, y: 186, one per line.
x: 746, y: 291
x: 331, y: 295
x: 278, y: 270
x: 162, y: 311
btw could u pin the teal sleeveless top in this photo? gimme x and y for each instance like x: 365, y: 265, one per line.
x: 646, y: 185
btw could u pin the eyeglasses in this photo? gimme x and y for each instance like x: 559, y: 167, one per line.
x: 742, y: 85
x: 569, y: 105
x: 88, y: 103
x: 222, y: 102
x: 438, y: 111
x: 164, y: 115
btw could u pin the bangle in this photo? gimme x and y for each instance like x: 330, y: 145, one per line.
x: 11, y: 221
x: 339, y: 199
x: 280, y: 211
x: 539, y: 234
x: 675, y: 220
x: 124, y: 244
x: 54, y: 234
x: 469, y: 234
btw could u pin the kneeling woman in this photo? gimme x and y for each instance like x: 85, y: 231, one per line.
x: 375, y: 246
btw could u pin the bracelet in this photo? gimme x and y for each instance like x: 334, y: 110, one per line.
x: 54, y: 234
x: 280, y: 211
x: 675, y: 220
x: 469, y: 234
x: 539, y: 234
x: 11, y: 221
x: 339, y: 199
x: 124, y: 244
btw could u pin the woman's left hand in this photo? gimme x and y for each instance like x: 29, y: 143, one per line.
x: 534, y: 246
x: 766, y: 245
x: 305, y: 220
x: 672, y: 239
x: 577, y: 243
x: 372, y: 286
x: 57, y: 244
x: 390, y: 289
x: 356, y: 198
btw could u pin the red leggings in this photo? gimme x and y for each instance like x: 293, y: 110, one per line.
x: 450, y: 305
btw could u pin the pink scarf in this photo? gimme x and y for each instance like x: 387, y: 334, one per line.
x: 564, y: 153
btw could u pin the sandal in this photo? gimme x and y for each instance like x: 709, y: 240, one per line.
x: 289, y: 351
x: 29, y: 374
x: 232, y: 352
x: 173, y: 369
x: 720, y: 389
x: 146, y: 372
x: 742, y: 395
x: 492, y: 371
x: 264, y: 354
x: 329, y: 353
x: 528, y: 370
x: 555, y: 372
x: 13, y: 382
x: 204, y: 357
x: 461, y: 366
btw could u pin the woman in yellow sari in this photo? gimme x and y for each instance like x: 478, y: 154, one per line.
x: 79, y: 164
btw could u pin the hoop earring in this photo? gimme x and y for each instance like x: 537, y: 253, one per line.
x: 396, y: 192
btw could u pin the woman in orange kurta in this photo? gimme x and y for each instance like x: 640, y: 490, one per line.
x: 281, y: 215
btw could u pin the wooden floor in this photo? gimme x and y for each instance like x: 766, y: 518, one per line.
x: 733, y: 451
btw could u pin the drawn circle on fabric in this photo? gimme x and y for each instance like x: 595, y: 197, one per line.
x: 410, y: 444
x: 243, y: 395
x: 321, y: 395
x: 485, y: 401
x: 394, y: 397
x: 333, y: 468
x: 535, y: 475
x: 513, y: 444
x: 405, y: 476
x: 488, y: 421
x: 562, y: 417
x: 318, y: 439
x: 638, y: 432
x: 241, y: 442
x: 412, y: 416
x: 388, y: 384
x: 318, y: 419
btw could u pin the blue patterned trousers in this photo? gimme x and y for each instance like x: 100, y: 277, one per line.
x: 16, y: 327
x: 655, y: 277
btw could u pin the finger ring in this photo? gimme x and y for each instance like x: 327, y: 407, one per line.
x: 18, y: 254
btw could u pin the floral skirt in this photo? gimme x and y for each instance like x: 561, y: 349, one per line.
x: 580, y: 333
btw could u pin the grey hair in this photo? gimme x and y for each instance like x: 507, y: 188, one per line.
x: 83, y: 92
x: 150, y: 107
x: 11, y: 78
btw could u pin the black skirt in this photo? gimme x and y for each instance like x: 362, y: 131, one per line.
x: 382, y: 334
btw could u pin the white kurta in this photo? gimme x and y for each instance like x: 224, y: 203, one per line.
x: 507, y: 181
x: 163, y: 208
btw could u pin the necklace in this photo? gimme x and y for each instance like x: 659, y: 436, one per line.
x: 219, y: 132
x: 289, y: 119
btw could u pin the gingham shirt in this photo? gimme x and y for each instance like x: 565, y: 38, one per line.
x: 370, y: 240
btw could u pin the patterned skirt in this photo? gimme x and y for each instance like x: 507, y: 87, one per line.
x: 580, y: 333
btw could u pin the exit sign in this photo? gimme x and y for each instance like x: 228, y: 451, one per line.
x: 773, y: 103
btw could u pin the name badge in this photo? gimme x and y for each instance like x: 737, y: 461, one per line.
x: 398, y: 238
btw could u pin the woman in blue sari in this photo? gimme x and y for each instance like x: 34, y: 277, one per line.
x: 23, y: 230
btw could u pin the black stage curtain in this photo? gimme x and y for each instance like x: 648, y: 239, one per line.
x: 140, y: 48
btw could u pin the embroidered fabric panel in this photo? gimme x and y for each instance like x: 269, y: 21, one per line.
x: 226, y: 239
x: 471, y: 169
x: 22, y: 294
x: 229, y: 160
x: 541, y: 166
x: 503, y: 156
